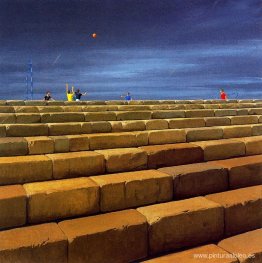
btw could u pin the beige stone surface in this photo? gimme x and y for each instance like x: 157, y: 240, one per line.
x: 217, y: 121
x: 28, y: 118
x: 199, y: 221
x: 40, y: 243
x: 242, y: 209
x: 199, y: 113
x: 40, y: 145
x: 197, y: 255
x: 61, y: 144
x: 75, y: 108
x: 62, y: 117
x: 133, y: 107
x: 255, y: 111
x: 124, y: 159
x: 166, y: 136
x: 112, y: 140
x: 55, y: 129
x: 253, y: 144
x: 133, y: 189
x: 78, y: 142
x: 76, y: 164
x: 100, y: 116
x: 241, y: 112
x: 186, y: 123
x: 247, y: 244
x: 7, y: 118
x: 13, y: 146
x: 119, y: 126
x: 168, y: 114
x: 203, y: 134
x: 197, y: 179
x: 156, y: 124
x: 222, y: 149
x: 141, y: 138
x: 22, y: 169
x: 243, y: 171
x: 225, y: 112
x: 236, y: 120
x: 6, y: 109
x: 173, y: 154
x: 56, y: 199
x: 256, y: 129
x: 133, y: 115
x: 24, y: 130
x: 102, y: 126
x: 12, y: 206
x: 44, y: 109
x: 122, y: 235
x: 236, y: 131
x: 15, y: 102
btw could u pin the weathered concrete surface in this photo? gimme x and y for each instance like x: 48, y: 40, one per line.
x: 13, y: 146
x: 166, y: 136
x: 40, y: 145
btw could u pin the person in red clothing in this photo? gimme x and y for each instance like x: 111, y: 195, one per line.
x: 223, y: 95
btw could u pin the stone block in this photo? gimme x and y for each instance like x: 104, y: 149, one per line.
x: 236, y: 131
x: 166, y: 136
x: 26, y: 130
x: 240, y: 120
x: 168, y: 114
x: 172, y: 154
x: 156, y: 125
x: 256, y: 129
x: 24, y: 169
x: 194, y: 106
x: 62, y: 117
x: 141, y: 138
x: 47, y: 109
x: 77, y: 108
x: 222, y: 149
x: 78, y: 143
x: 124, y: 159
x: 40, y: 243
x: 255, y: 111
x: 199, y: 220
x: 204, y: 134
x: 197, y: 179
x: 247, y: 247
x: 186, y: 123
x: 7, y: 118
x: 40, y: 145
x: 133, y: 189
x: 242, y: 209
x: 13, y: 146
x: 134, y: 108
x: 122, y: 235
x: 100, y: 126
x: 199, y: 113
x: 253, y: 144
x: 55, y: 129
x: 34, y: 102
x: 12, y: 206
x: 241, y: 112
x: 243, y: 171
x: 119, y: 126
x: 100, y: 116
x: 28, y: 118
x: 133, y: 115
x: 217, y: 121
x: 15, y: 102
x: 56, y: 199
x: 7, y: 109
x: 61, y: 144
x: 76, y: 164
x: 226, y: 112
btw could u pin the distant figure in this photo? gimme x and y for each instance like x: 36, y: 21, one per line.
x: 69, y: 93
x: 48, y: 96
x: 78, y: 95
x: 127, y: 97
x: 223, y: 95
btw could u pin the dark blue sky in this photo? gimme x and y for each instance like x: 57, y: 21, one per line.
x: 153, y: 48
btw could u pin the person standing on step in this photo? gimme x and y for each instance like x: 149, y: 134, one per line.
x: 127, y: 97
x: 78, y: 95
x: 223, y: 95
x: 48, y: 96
x: 69, y: 93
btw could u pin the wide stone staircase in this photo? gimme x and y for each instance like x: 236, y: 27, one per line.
x: 149, y: 181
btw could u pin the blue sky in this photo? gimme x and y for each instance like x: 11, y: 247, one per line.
x: 154, y: 49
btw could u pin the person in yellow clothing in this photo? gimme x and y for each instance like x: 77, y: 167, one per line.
x: 69, y: 93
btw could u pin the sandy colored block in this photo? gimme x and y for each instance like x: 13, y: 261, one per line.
x: 241, y: 112
x: 62, y: 117
x: 24, y: 130
x: 172, y: 154
x: 156, y: 124
x: 56, y: 199
x: 100, y: 126
x: 118, y: 126
x: 13, y: 146
x: 236, y: 131
x: 197, y: 255
x: 100, y: 116
x: 222, y: 149
x: 99, y: 108
x: 217, y: 121
x: 122, y: 235
x: 253, y: 111
x: 225, y: 112
x: 133, y: 115
x: 35, y: 102
x: 186, y: 123
x: 133, y: 189
x: 28, y: 118
x: 141, y: 138
x: 248, y: 104
x: 64, y: 128
x: 22, y: 169
x: 256, y: 129
x: 112, y: 140
x: 199, y: 113
x: 194, y: 107
x: 15, y: 102
x: 124, y: 159
x: 77, y: 108
x: 166, y: 136
x: 7, y: 109
x: 183, y: 223
x: 43, y: 109
x: 133, y: 107
x: 237, y: 120
x: 253, y: 144
x: 40, y: 145
x: 260, y: 119
x: 242, y: 209
x: 7, y: 118
x: 78, y: 142
x: 243, y: 171
x: 77, y: 164
x: 168, y: 114
x: 197, y: 179
x: 204, y: 134
x: 40, y: 243
x: 61, y: 144
x: 12, y: 206
x: 55, y: 103
x: 244, y: 246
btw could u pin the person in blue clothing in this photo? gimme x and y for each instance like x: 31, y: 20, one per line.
x: 127, y: 97
x: 78, y: 95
